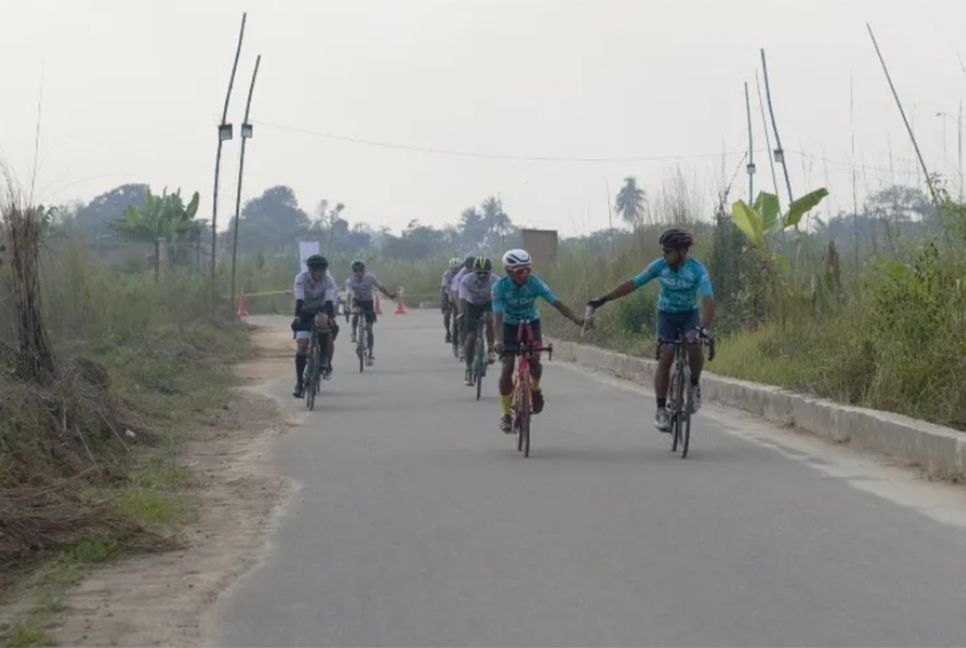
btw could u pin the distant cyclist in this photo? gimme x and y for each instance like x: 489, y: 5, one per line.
x: 476, y: 301
x: 315, y: 297
x: 454, y: 291
x: 446, y: 305
x: 682, y: 279
x: 514, y: 299
x: 358, y: 289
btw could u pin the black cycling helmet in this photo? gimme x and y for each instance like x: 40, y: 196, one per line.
x: 483, y: 264
x: 358, y: 265
x: 676, y: 239
x: 317, y: 262
x: 469, y: 261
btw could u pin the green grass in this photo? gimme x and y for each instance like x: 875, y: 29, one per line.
x: 171, y: 365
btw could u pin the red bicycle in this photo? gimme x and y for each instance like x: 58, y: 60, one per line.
x: 522, y: 395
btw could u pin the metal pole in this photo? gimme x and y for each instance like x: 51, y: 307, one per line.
x: 751, y: 150
x: 855, y: 200
x: 241, y: 169
x: 610, y: 219
x: 214, y: 197
x: 764, y: 124
x: 778, y: 141
x: 960, y: 150
x: 895, y: 95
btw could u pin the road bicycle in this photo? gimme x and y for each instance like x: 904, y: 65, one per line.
x: 314, y: 367
x: 362, y: 340
x: 681, y: 391
x: 522, y: 392
x: 480, y: 359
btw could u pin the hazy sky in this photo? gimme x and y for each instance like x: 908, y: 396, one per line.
x: 132, y: 91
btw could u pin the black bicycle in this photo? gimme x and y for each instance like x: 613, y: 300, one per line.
x: 681, y: 392
x: 313, y: 369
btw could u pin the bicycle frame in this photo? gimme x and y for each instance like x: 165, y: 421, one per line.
x: 522, y: 394
x: 313, y: 386
x: 362, y: 340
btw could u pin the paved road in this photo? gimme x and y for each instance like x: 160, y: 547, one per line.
x: 418, y: 524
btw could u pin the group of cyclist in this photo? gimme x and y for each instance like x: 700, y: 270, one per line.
x: 471, y: 291
x: 316, y: 300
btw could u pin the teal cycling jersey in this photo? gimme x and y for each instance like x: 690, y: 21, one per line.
x: 519, y: 302
x: 679, y: 287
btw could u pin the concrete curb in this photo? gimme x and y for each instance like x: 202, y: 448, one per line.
x: 940, y: 451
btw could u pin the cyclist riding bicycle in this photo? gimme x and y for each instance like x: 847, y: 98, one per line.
x: 446, y: 305
x: 514, y: 299
x: 454, y: 290
x: 476, y: 301
x: 315, y: 297
x: 682, y: 279
x: 358, y: 289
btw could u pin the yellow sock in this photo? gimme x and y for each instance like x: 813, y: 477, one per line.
x: 534, y: 384
x: 507, y: 402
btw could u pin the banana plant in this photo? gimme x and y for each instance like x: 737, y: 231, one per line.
x: 164, y: 216
x: 763, y: 218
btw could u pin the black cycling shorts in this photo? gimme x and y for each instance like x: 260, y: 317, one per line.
x: 510, y: 336
x: 473, y: 314
x: 368, y: 309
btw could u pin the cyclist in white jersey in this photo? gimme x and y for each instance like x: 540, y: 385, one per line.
x: 476, y: 301
x: 455, y: 291
x: 358, y: 289
x: 446, y: 305
x: 316, y: 293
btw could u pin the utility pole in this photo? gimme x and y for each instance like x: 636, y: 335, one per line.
x: 246, y: 134
x: 764, y: 125
x: 224, y: 134
x: 751, y: 151
x: 895, y: 95
x: 779, y: 152
x: 960, y: 150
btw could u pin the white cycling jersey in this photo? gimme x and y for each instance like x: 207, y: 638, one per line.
x: 475, y: 290
x: 454, y: 287
x: 315, y: 293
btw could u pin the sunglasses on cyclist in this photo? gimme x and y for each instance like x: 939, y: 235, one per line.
x: 521, y: 271
x: 482, y: 274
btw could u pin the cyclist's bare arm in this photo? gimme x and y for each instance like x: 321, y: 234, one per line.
x: 622, y: 290
x: 708, y: 306
x: 566, y: 312
x: 498, y: 327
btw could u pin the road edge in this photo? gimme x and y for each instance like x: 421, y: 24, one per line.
x: 938, y: 450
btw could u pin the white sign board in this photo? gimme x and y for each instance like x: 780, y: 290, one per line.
x: 306, y: 249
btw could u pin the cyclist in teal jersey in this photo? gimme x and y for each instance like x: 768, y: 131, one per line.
x: 514, y: 298
x: 682, y: 279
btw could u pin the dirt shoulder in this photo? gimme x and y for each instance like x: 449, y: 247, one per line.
x: 159, y: 600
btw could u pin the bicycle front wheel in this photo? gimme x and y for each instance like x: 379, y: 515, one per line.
x: 310, y: 381
x: 525, y: 413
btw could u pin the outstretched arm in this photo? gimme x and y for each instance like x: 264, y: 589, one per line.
x: 565, y: 310
x: 628, y: 287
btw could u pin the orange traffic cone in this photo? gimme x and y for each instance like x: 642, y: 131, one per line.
x: 400, y: 307
x: 242, y: 311
x: 378, y: 306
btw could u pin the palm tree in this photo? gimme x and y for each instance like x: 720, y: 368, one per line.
x: 631, y: 202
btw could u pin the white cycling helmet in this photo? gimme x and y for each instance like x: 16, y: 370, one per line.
x: 455, y: 263
x: 514, y: 259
